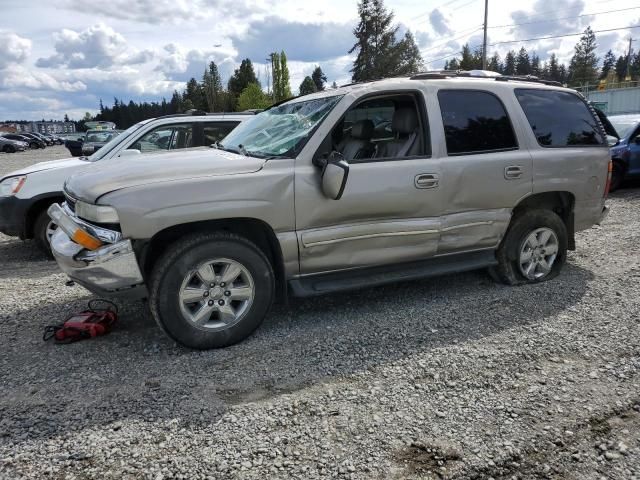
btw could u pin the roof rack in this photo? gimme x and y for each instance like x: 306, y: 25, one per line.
x: 440, y: 74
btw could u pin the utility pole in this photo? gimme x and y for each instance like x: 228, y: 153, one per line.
x: 628, y: 75
x: 484, y: 41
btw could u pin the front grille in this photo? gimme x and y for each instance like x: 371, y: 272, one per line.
x: 71, y: 202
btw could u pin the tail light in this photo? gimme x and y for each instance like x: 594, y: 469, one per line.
x: 608, y: 184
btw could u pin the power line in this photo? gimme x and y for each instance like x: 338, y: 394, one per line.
x: 562, y: 36
x: 534, y: 39
x: 564, y: 18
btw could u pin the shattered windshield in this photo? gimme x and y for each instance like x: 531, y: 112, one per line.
x: 280, y: 131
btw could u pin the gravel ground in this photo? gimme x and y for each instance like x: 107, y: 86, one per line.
x: 455, y: 377
x: 13, y: 161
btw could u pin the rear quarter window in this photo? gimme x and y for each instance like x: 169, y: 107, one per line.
x: 560, y: 119
x: 475, y: 121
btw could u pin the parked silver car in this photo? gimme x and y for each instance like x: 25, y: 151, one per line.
x: 8, y: 145
x: 311, y: 197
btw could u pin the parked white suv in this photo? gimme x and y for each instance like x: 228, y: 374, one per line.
x: 26, y: 194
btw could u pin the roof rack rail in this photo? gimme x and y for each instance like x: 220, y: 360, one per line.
x: 527, y: 78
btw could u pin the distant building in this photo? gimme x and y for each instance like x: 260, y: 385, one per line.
x: 39, y: 127
x: 616, y: 101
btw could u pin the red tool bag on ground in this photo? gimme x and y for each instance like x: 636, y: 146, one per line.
x: 86, y: 324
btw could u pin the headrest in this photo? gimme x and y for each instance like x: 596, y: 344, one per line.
x: 362, y: 130
x: 404, y: 120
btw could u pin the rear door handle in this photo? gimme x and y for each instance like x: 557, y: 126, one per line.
x: 512, y: 172
x: 426, y: 180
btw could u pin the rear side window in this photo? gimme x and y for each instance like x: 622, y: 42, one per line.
x: 559, y: 119
x: 475, y: 122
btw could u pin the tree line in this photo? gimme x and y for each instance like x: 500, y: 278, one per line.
x: 583, y: 68
x: 380, y: 52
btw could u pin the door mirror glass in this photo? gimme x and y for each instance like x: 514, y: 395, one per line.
x: 334, y: 176
x: 612, y: 141
x: 129, y: 152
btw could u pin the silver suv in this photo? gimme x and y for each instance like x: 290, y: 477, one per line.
x: 366, y: 184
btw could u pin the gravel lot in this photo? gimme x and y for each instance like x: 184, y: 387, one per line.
x: 455, y: 377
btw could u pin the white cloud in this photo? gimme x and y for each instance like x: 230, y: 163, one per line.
x: 15, y: 49
x: 20, y: 77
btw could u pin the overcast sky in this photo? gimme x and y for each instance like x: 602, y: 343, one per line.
x: 62, y: 56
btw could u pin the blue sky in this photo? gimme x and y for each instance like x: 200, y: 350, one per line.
x: 62, y: 56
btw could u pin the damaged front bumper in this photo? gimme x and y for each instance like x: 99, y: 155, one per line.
x: 110, y: 270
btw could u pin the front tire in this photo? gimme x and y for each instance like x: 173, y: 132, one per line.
x: 533, y: 250
x: 43, y: 230
x: 211, y: 290
x: 9, y: 149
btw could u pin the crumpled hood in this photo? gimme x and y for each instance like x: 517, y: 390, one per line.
x: 101, y: 178
x: 37, y: 167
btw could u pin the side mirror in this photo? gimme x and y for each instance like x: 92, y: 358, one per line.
x: 334, y: 176
x: 130, y: 152
x: 81, y: 139
x: 612, y: 141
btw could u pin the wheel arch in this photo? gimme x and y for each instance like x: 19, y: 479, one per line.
x: 560, y: 202
x: 257, y: 231
x: 39, y: 203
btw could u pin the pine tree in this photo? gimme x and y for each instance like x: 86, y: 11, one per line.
x: 621, y: 67
x: 175, y: 105
x: 285, y: 88
x: 319, y: 78
x: 467, y: 62
x: 66, y: 117
x: 536, y: 70
x: 554, y: 71
x: 494, y: 64
x: 583, y: 68
x: 563, y: 75
x: 307, y: 86
x: 242, y: 76
x: 608, y: 64
x: 406, y: 57
x: 375, y: 39
x: 195, y: 94
x: 212, y: 86
x: 510, y: 63
x: 523, y: 63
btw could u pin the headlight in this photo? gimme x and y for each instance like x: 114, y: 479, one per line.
x: 12, y: 185
x: 96, y: 213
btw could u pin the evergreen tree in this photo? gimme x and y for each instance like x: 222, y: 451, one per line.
x: 195, y: 94
x: 536, y: 69
x: 406, y: 57
x: 285, y: 88
x: 319, y: 78
x: 523, y: 63
x: 583, y: 68
x: 242, y: 76
x: 510, y: 63
x: 66, y: 117
x: 554, y: 71
x: 334, y: 85
x: 307, y: 86
x: 212, y: 86
x: 175, y: 105
x: 452, y: 65
x: 467, y: 62
x: 621, y: 67
x: 375, y: 39
x: 495, y: 64
x: 608, y: 64
x: 563, y: 75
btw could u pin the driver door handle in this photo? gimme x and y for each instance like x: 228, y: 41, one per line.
x: 426, y: 180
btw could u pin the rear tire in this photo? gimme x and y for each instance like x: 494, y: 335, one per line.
x: 617, y: 176
x: 533, y: 250
x: 193, y: 304
x: 43, y: 229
